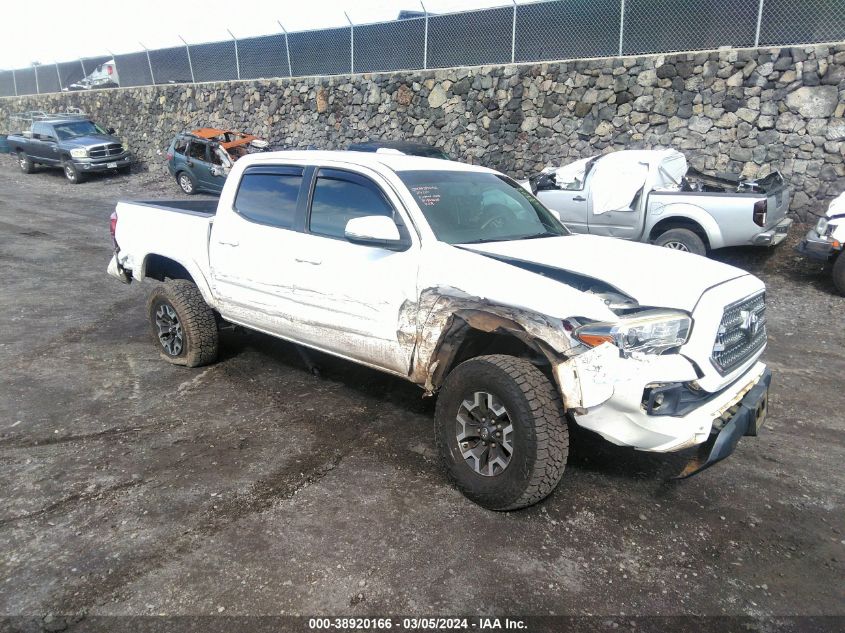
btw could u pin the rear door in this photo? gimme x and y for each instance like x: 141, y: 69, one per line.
x: 355, y: 294
x: 252, y: 247
x: 621, y: 223
x: 198, y: 163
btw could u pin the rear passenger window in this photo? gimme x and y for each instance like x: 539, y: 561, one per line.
x: 181, y: 146
x: 340, y: 196
x: 197, y: 151
x: 269, y: 195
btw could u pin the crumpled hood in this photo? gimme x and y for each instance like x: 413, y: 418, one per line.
x: 654, y: 276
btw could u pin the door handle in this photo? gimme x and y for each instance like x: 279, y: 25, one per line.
x: 579, y: 199
x: 222, y: 243
x: 313, y: 262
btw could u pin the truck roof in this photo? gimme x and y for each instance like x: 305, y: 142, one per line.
x: 394, y: 162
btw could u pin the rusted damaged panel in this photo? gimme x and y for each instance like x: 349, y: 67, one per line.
x: 447, y: 314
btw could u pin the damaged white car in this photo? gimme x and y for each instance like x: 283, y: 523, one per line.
x: 653, y: 196
x: 456, y: 278
x: 824, y: 242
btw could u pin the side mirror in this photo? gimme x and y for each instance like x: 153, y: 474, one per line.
x: 111, y: 130
x: 375, y: 230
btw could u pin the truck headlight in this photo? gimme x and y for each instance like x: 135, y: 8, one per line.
x: 649, y: 332
x: 79, y: 152
x: 821, y: 226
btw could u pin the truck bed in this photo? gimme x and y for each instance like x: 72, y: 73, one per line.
x: 205, y: 208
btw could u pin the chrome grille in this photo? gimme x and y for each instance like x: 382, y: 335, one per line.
x: 742, y: 333
x: 105, y: 151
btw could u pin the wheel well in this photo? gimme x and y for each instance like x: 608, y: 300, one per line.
x: 161, y: 268
x: 465, y: 342
x: 667, y: 224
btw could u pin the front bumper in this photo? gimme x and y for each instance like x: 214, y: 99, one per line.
x: 774, y: 235
x: 103, y: 164
x: 606, y: 394
x: 745, y: 418
x: 815, y: 246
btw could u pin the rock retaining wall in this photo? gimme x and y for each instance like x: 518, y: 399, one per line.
x: 733, y: 111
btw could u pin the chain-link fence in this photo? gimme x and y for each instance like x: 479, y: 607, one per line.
x: 518, y: 32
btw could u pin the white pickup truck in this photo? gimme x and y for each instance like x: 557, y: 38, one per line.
x: 456, y: 278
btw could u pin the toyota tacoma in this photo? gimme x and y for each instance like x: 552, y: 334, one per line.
x: 456, y: 278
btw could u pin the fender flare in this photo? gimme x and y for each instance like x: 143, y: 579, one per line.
x: 694, y: 213
x: 191, y: 266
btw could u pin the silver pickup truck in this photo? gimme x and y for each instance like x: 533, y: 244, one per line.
x: 652, y: 196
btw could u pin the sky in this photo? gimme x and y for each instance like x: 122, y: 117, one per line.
x: 88, y: 28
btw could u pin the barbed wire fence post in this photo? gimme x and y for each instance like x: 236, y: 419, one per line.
x: 149, y: 63
x: 759, y: 23
x: 621, y: 26
x: 190, y: 63
x: 351, y: 44
x: 237, y: 57
x: 35, y: 72
x: 287, y: 47
x: 58, y: 75
x: 425, y: 36
x: 15, y: 82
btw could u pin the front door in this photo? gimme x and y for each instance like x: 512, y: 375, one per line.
x: 360, y: 297
x: 570, y: 205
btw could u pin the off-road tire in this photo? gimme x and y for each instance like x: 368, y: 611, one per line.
x: 199, y: 326
x: 25, y: 163
x: 540, y: 437
x: 185, y: 179
x: 682, y: 240
x: 72, y: 174
x: 838, y: 273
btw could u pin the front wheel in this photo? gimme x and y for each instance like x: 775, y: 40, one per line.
x: 183, y: 326
x: 501, y: 432
x: 25, y: 163
x: 682, y: 240
x: 839, y: 273
x: 72, y: 173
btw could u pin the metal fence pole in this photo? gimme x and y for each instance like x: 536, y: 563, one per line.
x: 58, y: 75
x: 425, y: 37
x: 82, y: 65
x: 35, y: 72
x: 513, y: 34
x: 351, y: 44
x: 149, y: 63
x: 621, y: 25
x: 759, y: 22
x: 287, y: 48
x: 190, y: 63
x: 15, y: 82
x: 237, y: 58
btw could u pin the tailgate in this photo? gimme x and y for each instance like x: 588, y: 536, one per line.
x: 778, y: 197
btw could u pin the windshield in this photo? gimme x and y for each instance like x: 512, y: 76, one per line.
x: 464, y: 207
x: 77, y: 128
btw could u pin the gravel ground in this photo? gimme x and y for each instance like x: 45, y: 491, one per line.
x: 132, y: 487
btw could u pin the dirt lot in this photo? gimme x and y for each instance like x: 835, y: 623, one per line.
x: 252, y: 487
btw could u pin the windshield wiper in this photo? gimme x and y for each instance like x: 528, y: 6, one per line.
x: 536, y: 236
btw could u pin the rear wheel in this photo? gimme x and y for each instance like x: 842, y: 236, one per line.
x: 72, y: 173
x: 25, y: 163
x: 187, y: 183
x: 501, y: 432
x: 839, y: 274
x: 682, y: 240
x: 183, y: 326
